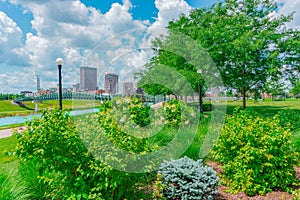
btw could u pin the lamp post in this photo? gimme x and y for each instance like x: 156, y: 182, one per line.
x: 199, y: 71
x: 59, y: 62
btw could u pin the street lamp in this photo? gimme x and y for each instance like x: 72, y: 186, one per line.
x: 59, y: 62
x: 199, y: 71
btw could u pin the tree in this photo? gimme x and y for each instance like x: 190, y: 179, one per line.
x: 245, y: 40
x: 296, y: 89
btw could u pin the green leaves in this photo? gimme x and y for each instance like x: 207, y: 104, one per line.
x: 256, y: 154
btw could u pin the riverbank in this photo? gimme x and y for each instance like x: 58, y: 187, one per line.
x: 9, y: 109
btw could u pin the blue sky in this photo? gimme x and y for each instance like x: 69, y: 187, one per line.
x: 35, y: 32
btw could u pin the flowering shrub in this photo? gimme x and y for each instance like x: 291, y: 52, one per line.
x: 256, y: 154
x: 65, y: 165
x: 71, y: 152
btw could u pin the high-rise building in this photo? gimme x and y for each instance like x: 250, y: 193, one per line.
x: 111, y: 83
x: 128, y: 88
x: 88, y: 78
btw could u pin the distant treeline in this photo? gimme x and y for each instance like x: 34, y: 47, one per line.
x: 10, y: 96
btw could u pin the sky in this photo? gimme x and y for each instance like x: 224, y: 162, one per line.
x: 113, y: 36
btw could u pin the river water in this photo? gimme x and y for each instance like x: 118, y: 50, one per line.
x: 21, y: 119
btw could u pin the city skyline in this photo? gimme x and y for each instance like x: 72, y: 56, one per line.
x: 33, y: 37
x: 88, y: 78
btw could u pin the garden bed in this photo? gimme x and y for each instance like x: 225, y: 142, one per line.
x: 274, y: 195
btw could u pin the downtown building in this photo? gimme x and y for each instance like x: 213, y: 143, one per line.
x: 128, y: 88
x: 111, y: 83
x: 88, y: 79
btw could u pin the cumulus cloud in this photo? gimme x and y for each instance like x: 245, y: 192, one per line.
x: 84, y: 35
x: 170, y: 10
x: 10, y: 39
x: 289, y: 6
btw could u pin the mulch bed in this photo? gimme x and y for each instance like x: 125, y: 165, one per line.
x: 274, y: 195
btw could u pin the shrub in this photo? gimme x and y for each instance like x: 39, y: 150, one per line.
x: 188, y: 179
x: 296, y: 194
x: 64, y: 167
x: 290, y: 118
x: 256, y: 154
x: 208, y: 107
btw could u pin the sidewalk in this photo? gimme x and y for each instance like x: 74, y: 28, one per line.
x: 8, y: 132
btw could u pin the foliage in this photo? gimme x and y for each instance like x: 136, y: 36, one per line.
x: 63, y: 150
x: 296, y: 89
x: 244, y: 39
x: 173, y: 112
x: 12, y: 186
x: 290, y: 118
x: 158, y: 188
x: 65, y: 167
x: 207, y: 107
x: 256, y: 154
x: 120, y: 116
x: 188, y: 179
x: 296, y: 194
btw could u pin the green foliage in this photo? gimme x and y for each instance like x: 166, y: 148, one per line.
x: 296, y: 89
x: 173, y: 112
x: 158, y: 188
x: 121, y: 116
x: 63, y: 166
x: 296, y: 194
x: 12, y: 186
x: 256, y: 154
x: 290, y: 118
x: 207, y: 107
x: 188, y: 179
x: 248, y: 30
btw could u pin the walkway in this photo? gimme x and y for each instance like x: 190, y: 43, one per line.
x: 8, y: 132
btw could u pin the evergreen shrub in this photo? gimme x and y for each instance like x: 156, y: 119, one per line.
x: 188, y: 179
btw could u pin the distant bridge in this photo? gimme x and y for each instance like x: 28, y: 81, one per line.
x: 66, y: 95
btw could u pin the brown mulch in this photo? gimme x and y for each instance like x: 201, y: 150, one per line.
x: 275, y: 195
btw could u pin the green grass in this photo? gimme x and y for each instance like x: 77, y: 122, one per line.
x: 7, y: 145
x: 11, y: 126
x: 12, y: 184
x: 296, y: 139
x: 265, y: 108
x: 27, y: 107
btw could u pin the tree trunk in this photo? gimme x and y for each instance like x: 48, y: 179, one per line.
x: 244, y: 97
x: 200, y: 98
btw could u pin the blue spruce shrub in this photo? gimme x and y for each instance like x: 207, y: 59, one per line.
x: 188, y: 179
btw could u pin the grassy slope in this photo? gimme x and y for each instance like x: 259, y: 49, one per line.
x: 9, y: 109
x: 7, y: 145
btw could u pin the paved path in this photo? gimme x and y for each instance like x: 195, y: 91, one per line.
x: 8, y: 132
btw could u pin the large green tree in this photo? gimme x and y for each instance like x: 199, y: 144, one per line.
x: 247, y: 41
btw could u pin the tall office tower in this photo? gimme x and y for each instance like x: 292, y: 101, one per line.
x: 88, y: 78
x: 128, y: 88
x: 111, y: 83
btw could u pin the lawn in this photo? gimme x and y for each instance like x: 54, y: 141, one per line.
x: 27, y: 107
x: 7, y: 145
x: 266, y: 108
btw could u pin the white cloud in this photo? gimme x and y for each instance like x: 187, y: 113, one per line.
x: 289, y: 6
x: 69, y: 29
x: 10, y: 38
x: 169, y: 10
